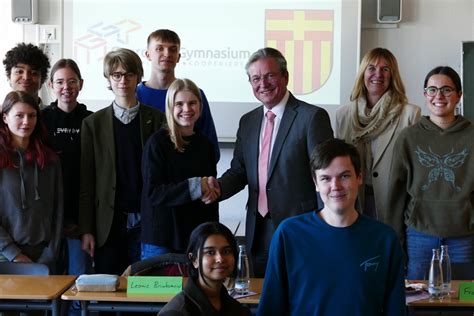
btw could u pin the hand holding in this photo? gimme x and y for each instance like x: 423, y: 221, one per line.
x: 214, y: 185
x: 209, y: 195
x: 204, y: 187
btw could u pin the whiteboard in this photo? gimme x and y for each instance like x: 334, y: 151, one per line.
x: 319, y: 38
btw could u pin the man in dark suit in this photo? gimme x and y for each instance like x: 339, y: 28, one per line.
x: 112, y: 140
x: 284, y: 177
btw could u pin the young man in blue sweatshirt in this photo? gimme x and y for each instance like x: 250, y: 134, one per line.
x: 334, y: 261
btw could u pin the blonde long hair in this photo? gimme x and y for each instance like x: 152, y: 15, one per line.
x: 174, y: 131
x: 396, y: 84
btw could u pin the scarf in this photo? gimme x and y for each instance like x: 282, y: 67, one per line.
x: 367, y: 125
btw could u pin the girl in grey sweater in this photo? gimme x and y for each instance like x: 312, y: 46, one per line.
x: 31, y: 205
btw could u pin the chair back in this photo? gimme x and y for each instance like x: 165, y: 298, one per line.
x: 170, y: 264
x: 462, y: 271
x: 24, y: 268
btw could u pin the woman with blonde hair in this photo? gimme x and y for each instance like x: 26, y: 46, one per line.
x: 176, y: 161
x: 378, y: 111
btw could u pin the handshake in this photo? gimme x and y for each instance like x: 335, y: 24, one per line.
x: 210, y: 189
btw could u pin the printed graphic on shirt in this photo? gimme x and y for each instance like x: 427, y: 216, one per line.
x: 442, y: 165
x: 66, y: 130
x: 371, y: 264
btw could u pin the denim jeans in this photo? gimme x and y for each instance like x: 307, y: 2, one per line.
x: 419, y: 251
x: 149, y: 250
x: 79, y: 262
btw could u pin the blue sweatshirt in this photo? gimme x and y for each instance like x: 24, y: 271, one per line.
x: 318, y: 269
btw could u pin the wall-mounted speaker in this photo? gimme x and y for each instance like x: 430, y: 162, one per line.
x: 389, y: 11
x: 25, y: 11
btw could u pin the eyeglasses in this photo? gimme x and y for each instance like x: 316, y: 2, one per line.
x: 117, y: 76
x: 269, y: 77
x: 73, y: 83
x: 444, y: 90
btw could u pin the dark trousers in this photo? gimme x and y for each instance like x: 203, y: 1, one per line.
x: 370, y: 209
x: 121, y: 249
x: 261, y: 245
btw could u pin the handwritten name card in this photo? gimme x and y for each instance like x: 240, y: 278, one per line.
x: 466, y: 291
x: 154, y: 285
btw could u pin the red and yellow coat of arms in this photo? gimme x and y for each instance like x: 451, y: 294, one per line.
x: 305, y: 38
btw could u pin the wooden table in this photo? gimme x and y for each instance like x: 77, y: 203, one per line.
x: 120, y: 301
x: 447, y: 306
x: 27, y: 292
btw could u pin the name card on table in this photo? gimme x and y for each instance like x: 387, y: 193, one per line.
x: 154, y: 285
x: 466, y: 291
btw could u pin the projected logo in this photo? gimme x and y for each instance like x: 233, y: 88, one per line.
x: 93, y: 46
x: 305, y: 37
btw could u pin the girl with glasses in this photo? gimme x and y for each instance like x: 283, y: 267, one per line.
x: 63, y: 119
x: 431, y: 186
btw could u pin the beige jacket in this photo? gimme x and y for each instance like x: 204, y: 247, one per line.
x: 383, y: 154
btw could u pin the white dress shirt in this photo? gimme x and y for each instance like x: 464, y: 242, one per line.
x: 278, y: 110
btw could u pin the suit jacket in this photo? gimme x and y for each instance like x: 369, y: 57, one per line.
x: 98, y: 178
x: 290, y: 186
x: 382, y: 157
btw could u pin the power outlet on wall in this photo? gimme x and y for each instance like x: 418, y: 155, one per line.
x: 48, y: 34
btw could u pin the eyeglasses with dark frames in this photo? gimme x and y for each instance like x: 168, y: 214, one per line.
x: 444, y: 90
x: 117, y: 76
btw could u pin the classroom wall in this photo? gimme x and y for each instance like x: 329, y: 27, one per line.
x: 430, y: 34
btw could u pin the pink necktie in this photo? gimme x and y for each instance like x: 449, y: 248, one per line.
x: 263, y: 160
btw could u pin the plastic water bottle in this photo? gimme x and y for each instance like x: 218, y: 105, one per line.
x: 242, y: 281
x: 446, y: 269
x: 435, y: 282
